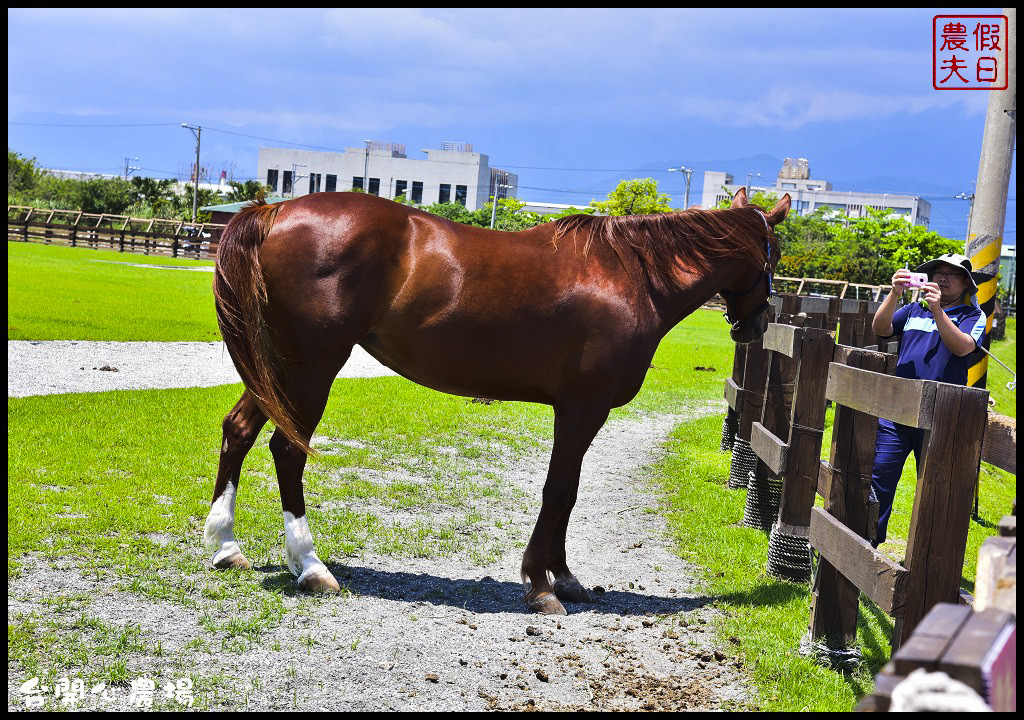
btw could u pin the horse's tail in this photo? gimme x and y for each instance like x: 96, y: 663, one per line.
x: 241, y: 298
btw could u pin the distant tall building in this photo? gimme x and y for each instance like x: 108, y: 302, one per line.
x: 809, y: 195
x: 453, y: 173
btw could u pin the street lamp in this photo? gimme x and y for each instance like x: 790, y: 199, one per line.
x: 686, y: 171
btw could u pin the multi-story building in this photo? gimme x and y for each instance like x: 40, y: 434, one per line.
x: 810, y: 194
x: 453, y: 173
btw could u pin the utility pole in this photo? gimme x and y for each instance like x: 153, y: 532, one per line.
x: 129, y: 169
x: 366, y: 165
x: 498, y: 184
x: 750, y: 190
x: 198, y: 132
x: 988, y: 212
x: 686, y: 171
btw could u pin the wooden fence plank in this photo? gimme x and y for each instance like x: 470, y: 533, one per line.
x: 931, y: 639
x: 904, y: 401
x: 782, y: 338
x: 772, y: 451
x: 878, y: 577
x: 964, y: 660
x: 1000, y: 445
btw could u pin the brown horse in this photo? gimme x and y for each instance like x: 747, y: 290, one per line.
x: 568, y: 313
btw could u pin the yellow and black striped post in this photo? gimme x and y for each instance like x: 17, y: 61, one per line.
x: 988, y: 214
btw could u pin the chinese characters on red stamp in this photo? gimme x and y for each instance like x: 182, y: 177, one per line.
x: 969, y: 52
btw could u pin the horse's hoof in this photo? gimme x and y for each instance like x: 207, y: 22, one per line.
x: 570, y: 590
x: 231, y: 560
x: 544, y: 603
x: 318, y: 580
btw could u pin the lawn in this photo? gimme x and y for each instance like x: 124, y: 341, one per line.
x: 65, y: 293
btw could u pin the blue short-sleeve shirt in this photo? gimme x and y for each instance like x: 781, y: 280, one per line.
x: 922, y: 354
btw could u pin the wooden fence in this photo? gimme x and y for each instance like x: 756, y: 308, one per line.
x: 778, y: 394
x: 149, y: 236
x: 832, y: 288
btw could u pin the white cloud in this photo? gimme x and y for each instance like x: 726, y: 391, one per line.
x: 792, y: 109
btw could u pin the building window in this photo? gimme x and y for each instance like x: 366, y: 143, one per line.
x: 446, y: 194
x: 332, y: 183
x: 417, y: 192
x: 272, y: 179
x: 375, y: 186
x: 314, y: 183
x: 400, y: 187
x: 357, y: 183
x: 460, y: 195
x: 286, y: 185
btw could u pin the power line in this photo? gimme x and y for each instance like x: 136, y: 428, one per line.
x: 106, y: 125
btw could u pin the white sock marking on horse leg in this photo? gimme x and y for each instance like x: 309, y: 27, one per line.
x: 298, y: 547
x: 219, y: 534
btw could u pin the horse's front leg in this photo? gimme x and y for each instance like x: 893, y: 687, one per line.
x: 240, y: 427
x: 566, y: 586
x: 575, y: 429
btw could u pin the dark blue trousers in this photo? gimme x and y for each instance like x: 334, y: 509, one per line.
x: 893, y: 444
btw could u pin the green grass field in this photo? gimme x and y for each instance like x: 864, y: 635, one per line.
x: 64, y: 293
x: 119, y: 483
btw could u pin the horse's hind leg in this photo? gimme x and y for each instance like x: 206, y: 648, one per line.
x: 575, y: 429
x: 308, y: 396
x: 241, y: 426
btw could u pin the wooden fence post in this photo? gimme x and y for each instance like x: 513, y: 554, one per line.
x: 765, y: 485
x: 835, y: 597
x: 748, y: 401
x: 730, y: 424
x: 797, y: 459
x: 943, y: 502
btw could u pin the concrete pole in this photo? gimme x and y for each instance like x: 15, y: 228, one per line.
x: 988, y: 215
x: 195, y: 189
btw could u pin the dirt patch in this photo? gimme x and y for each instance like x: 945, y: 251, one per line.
x: 410, y: 633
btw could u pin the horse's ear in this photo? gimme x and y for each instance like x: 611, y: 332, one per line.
x: 740, y: 198
x: 779, y: 212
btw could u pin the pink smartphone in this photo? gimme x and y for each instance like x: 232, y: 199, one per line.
x: 917, y: 279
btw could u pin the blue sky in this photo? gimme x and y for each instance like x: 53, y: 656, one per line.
x: 573, y: 100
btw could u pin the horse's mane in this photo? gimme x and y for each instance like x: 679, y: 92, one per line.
x: 665, y: 242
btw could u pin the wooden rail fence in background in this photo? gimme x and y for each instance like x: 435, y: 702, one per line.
x: 149, y: 236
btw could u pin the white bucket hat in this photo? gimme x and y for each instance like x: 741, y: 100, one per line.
x: 957, y: 261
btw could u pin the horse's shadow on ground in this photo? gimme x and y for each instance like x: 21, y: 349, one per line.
x: 484, y: 595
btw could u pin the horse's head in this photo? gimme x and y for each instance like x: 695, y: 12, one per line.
x: 747, y: 298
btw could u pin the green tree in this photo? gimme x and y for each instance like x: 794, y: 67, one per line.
x: 634, y: 197
x: 249, y: 190
x: 451, y: 211
x: 104, y: 195
x: 861, y: 250
x: 22, y: 174
x: 509, y: 215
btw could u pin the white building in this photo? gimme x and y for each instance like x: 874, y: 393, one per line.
x: 809, y: 194
x: 453, y: 173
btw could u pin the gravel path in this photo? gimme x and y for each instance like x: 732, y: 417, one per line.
x: 73, y: 366
x: 440, y: 634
